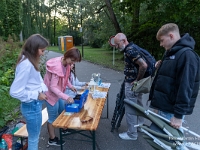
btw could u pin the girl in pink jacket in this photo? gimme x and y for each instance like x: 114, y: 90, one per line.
x: 56, y: 79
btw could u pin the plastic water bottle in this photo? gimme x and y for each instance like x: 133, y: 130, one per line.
x: 99, y: 78
x: 3, y: 145
x: 99, y: 81
x: 92, y: 86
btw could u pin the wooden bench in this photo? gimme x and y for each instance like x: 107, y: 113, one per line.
x: 22, y: 132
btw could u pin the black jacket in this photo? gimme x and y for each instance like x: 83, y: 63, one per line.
x: 176, y: 85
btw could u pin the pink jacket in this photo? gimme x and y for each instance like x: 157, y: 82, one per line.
x: 56, y: 81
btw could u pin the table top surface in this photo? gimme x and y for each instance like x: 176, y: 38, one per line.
x: 91, y: 111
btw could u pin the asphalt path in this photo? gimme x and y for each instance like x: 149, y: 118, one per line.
x: 105, y: 139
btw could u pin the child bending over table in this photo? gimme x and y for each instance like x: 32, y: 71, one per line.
x: 75, y: 82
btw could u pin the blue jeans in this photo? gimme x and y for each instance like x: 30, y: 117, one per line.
x: 165, y: 114
x: 32, y: 112
x: 169, y: 116
x: 55, y: 111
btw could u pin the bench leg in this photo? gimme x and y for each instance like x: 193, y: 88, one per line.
x: 24, y: 146
x: 107, y: 106
x: 61, y: 146
x: 93, y: 140
x: 21, y: 138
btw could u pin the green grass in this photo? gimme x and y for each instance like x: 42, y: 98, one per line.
x: 99, y: 56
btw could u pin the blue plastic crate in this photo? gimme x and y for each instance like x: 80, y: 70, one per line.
x: 78, y: 104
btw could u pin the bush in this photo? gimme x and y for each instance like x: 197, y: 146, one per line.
x: 96, y: 43
x: 9, y: 51
x: 9, y: 108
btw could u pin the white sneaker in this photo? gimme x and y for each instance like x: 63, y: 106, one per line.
x: 125, y: 136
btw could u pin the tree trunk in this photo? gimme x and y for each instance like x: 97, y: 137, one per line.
x: 136, y: 9
x: 112, y: 16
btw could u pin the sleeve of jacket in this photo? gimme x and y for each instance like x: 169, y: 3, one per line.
x: 186, y: 71
x: 54, y: 87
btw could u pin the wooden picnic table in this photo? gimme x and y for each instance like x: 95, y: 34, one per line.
x: 85, y: 120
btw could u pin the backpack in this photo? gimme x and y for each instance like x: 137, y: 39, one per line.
x: 149, y: 59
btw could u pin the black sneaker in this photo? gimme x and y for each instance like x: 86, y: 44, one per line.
x: 55, y: 142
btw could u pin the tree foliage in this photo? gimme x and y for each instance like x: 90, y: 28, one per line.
x: 138, y: 19
x: 8, y: 55
x: 10, y: 21
x: 36, y: 18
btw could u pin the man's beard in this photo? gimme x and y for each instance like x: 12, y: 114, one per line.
x: 122, y: 48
